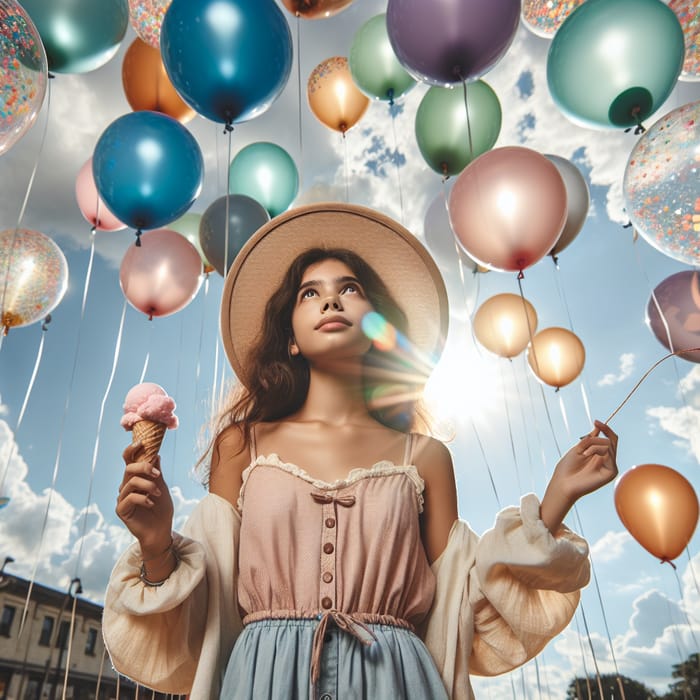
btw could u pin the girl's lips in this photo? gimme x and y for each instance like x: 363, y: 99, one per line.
x: 333, y: 322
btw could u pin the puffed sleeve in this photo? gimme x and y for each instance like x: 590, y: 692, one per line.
x: 176, y: 638
x: 501, y: 598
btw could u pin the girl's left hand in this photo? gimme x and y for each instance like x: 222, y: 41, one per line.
x: 586, y: 467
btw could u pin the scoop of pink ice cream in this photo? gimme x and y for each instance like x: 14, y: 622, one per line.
x: 148, y: 401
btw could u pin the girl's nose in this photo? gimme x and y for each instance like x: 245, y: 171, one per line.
x: 332, y: 304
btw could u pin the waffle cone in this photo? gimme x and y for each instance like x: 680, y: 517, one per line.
x: 151, y: 434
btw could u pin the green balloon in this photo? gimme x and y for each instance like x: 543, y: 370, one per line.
x: 373, y: 63
x: 188, y: 226
x: 612, y: 63
x: 79, y: 35
x: 265, y: 172
x: 448, y: 139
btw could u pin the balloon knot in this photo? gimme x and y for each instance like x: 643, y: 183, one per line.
x: 667, y: 561
x: 390, y: 95
x: 150, y: 313
x: 138, y: 237
x: 228, y: 128
x: 521, y: 275
x: 93, y: 229
x: 555, y: 260
x: 627, y: 225
x: 50, y: 75
x: 45, y: 324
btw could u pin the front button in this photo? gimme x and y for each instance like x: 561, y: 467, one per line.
x: 330, y: 522
x: 328, y: 548
x: 326, y: 603
x: 327, y: 577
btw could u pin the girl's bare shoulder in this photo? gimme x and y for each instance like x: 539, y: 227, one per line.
x: 230, y: 456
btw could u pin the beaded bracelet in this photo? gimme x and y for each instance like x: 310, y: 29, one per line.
x: 142, y: 571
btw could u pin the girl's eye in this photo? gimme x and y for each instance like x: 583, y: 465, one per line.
x: 350, y: 288
x: 308, y: 293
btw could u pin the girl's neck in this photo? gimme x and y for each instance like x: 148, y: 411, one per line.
x: 334, y: 397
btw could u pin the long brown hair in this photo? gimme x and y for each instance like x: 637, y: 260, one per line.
x: 278, y: 382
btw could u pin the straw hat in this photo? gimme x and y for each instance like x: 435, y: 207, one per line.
x: 404, y: 265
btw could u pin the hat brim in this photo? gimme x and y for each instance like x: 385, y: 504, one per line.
x: 404, y: 265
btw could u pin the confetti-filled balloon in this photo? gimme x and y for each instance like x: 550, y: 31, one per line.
x: 660, y: 185
x: 544, y: 17
x: 673, y: 313
x: 23, y: 73
x: 33, y: 277
x: 688, y: 13
x: 146, y: 18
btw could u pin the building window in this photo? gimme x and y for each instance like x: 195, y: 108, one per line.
x: 63, y: 631
x: 46, y: 631
x: 90, y: 642
x: 8, y: 615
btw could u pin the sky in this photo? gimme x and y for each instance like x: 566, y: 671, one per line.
x: 60, y: 457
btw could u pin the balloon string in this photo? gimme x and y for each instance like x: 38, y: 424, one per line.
x: 22, y: 410
x: 23, y: 208
x: 70, y: 648
x: 181, y: 353
x: 583, y: 660
x: 521, y: 404
x: 645, y: 375
x: 537, y: 676
x: 228, y: 204
x: 96, y: 447
x: 488, y: 466
x: 510, y: 432
x: 469, y: 124
x: 101, y: 671
x: 397, y: 164
x: 590, y: 645
x: 299, y: 100
x: 540, y: 442
x: 201, y: 336
x: 347, y: 174
x: 692, y: 570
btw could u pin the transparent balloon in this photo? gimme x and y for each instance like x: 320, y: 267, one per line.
x: 688, y: 13
x: 146, y: 18
x: 673, y: 313
x: 33, y: 277
x: 505, y: 323
x: 660, y: 185
x: 544, y: 17
x: 23, y: 73
x: 556, y: 356
x: 162, y: 275
x: 333, y: 96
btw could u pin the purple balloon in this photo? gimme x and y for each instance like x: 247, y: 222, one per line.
x: 444, y: 42
x: 673, y: 313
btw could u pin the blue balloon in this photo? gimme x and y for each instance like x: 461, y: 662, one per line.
x: 148, y: 169
x: 228, y: 59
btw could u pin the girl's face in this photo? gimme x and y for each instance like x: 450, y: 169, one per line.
x: 328, y: 311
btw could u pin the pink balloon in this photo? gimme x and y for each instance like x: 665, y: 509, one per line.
x: 91, y: 205
x: 162, y: 275
x: 508, y: 208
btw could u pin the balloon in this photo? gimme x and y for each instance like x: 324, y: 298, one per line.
x: 228, y: 59
x: 448, y: 137
x: 673, y: 313
x: 612, y: 63
x: 188, y: 226
x: 245, y: 217
x: 146, y: 17
x: 373, y: 64
x: 148, y: 169
x: 161, y: 276
x: 315, y: 9
x: 544, y: 17
x: 578, y: 201
x: 334, y: 98
x: 508, y: 208
x: 505, y: 323
x: 660, y: 185
x: 147, y: 86
x: 444, y: 42
x: 688, y: 12
x: 79, y: 35
x: 267, y: 173
x: 659, y: 507
x: 33, y: 277
x: 91, y: 206
x: 23, y: 73
x: 556, y: 356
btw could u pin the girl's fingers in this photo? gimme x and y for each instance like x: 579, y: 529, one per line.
x: 139, y: 484
x: 144, y: 469
x: 126, y: 507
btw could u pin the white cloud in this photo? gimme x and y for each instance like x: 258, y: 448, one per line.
x: 4, y: 409
x: 683, y: 422
x: 626, y: 369
x: 610, y: 546
x: 74, y: 542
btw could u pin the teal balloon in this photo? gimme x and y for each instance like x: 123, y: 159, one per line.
x: 612, y: 63
x: 373, y: 63
x: 265, y: 172
x: 245, y: 217
x: 79, y: 35
x: 450, y: 134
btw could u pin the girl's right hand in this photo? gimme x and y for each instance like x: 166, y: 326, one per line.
x: 144, y: 503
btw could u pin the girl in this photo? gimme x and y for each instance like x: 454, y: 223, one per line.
x: 328, y: 560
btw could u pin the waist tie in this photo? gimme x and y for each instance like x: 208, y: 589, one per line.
x: 352, y: 623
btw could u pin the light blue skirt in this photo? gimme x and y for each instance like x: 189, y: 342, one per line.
x: 272, y: 658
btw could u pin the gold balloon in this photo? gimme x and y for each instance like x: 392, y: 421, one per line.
x: 556, y: 356
x: 659, y: 508
x: 315, y: 9
x: 147, y: 85
x: 505, y: 323
x: 333, y: 96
